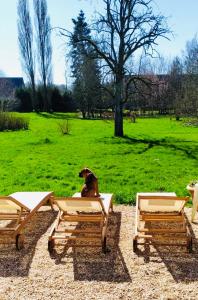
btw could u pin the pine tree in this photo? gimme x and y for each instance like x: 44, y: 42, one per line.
x: 85, y: 70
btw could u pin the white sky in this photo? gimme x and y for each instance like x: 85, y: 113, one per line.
x: 182, y: 19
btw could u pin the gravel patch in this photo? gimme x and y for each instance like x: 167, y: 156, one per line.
x: 86, y: 273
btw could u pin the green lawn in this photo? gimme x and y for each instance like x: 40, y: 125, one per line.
x: 156, y: 155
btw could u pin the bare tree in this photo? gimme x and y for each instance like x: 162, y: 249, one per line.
x: 126, y: 27
x: 44, y: 48
x: 176, y: 86
x: 191, y: 71
x: 25, y: 38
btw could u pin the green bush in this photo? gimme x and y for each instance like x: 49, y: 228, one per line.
x: 191, y: 122
x: 9, y: 121
x: 64, y: 127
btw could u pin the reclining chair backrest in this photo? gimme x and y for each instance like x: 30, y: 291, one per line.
x: 9, y: 205
x: 83, y: 204
x: 164, y: 204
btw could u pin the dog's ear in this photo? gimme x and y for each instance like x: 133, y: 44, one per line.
x: 81, y: 172
x: 88, y: 170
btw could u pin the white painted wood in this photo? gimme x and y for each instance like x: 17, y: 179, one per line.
x: 105, y: 198
x: 30, y: 199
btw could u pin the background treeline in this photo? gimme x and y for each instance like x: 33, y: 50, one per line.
x: 151, y: 85
x: 173, y: 92
x: 61, y: 99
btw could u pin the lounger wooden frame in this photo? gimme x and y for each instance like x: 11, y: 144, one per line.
x: 13, y: 210
x: 80, y: 212
x: 178, y: 216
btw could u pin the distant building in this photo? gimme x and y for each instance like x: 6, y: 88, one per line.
x: 8, y: 86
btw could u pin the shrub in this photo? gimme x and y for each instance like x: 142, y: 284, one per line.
x: 191, y: 123
x: 11, y: 122
x: 64, y: 127
x: 24, y: 95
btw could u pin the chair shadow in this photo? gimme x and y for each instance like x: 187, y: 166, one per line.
x: 90, y: 264
x: 183, y: 266
x: 17, y: 263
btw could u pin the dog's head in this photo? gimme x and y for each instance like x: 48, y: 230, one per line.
x: 84, y: 172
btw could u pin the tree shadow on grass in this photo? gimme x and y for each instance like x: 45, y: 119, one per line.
x: 191, y: 151
x: 183, y: 266
x: 14, y: 263
x: 57, y: 116
x: 91, y: 264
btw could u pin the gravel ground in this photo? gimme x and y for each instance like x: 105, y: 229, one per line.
x: 86, y: 273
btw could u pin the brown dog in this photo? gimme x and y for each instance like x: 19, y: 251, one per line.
x: 90, y: 188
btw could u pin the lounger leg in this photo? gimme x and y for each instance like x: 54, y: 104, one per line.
x: 51, y: 241
x: 135, y: 244
x: 104, y: 238
x: 104, y: 245
x: 189, y: 240
x: 19, y: 241
x: 51, y: 204
x: 111, y: 207
x: 189, y: 243
x: 50, y: 246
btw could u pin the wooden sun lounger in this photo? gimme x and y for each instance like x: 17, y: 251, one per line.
x: 17, y: 209
x: 162, y: 209
x: 194, y: 194
x: 80, y: 211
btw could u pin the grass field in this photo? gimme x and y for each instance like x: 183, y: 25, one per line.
x: 156, y: 155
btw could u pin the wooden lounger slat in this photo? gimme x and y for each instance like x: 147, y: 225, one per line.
x: 9, y: 217
x: 165, y: 244
x: 81, y: 219
x: 158, y: 214
x: 175, y: 198
x: 12, y: 214
x: 82, y: 214
x: 149, y: 236
x: 56, y: 237
x: 144, y: 236
x: 77, y: 245
x: 159, y: 230
x: 7, y: 229
x: 79, y: 231
x: 164, y: 218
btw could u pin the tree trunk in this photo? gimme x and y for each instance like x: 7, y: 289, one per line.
x: 118, y: 125
x: 46, y: 107
x: 83, y: 114
x: 34, y: 97
x: 47, y: 102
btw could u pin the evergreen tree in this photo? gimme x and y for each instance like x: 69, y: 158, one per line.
x: 85, y: 70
